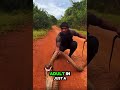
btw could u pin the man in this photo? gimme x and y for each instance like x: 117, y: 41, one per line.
x: 64, y: 40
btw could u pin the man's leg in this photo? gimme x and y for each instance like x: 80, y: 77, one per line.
x: 62, y: 48
x: 73, y: 47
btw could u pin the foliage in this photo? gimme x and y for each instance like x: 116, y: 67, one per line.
x: 41, y: 19
x: 75, y: 16
x: 11, y: 5
x: 112, y: 18
x: 14, y: 13
x: 105, y: 6
x: 39, y: 33
x: 83, y: 32
x: 10, y: 21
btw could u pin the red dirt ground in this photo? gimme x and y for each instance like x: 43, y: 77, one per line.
x: 98, y: 68
x: 42, y: 52
x: 16, y: 59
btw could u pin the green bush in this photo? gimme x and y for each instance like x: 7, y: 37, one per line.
x: 41, y: 19
x: 76, y: 16
x: 39, y: 33
x: 10, y: 21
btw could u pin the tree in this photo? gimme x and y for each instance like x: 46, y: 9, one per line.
x: 76, y: 16
x: 105, y: 6
x: 41, y: 19
x: 53, y: 20
x: 11, y: 5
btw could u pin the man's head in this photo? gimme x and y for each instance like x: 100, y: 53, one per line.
x: 64, y: 27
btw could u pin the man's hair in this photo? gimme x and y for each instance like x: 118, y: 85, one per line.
x: 64, y: 24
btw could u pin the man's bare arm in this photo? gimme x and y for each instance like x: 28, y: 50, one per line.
x: 54, y: 56
x: 57, y: 51
x: 78, y: 34
x: 82, y: 36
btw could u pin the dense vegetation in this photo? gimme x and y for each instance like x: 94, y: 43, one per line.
x: 106, y: 9
x: 12, y: 5
x: 76, y: 15
x: 41, y: 19
x: 14, y: 13
x: 105, y: 6
x: 42, y: 22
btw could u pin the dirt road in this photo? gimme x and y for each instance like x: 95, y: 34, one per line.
x: 42, y: 52
x: 16, y: 59
x: 98, y: 68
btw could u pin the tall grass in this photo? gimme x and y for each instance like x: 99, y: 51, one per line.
x: 10, y: 21
x: 81, y: 31
x: 114, y: 19
x: 39, y: 33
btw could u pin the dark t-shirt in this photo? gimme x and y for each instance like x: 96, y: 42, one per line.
x: 65, y: 39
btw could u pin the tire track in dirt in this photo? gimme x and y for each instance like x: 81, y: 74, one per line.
x: 42, y: 52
